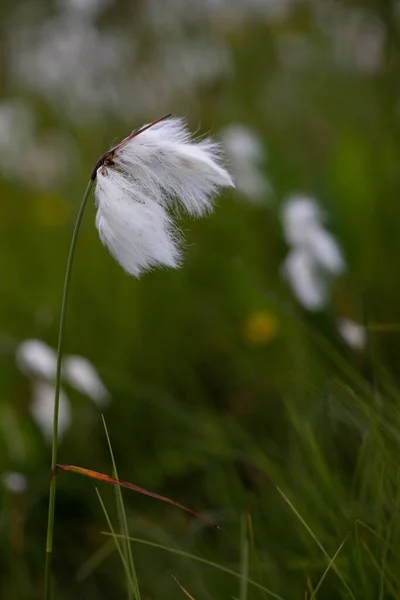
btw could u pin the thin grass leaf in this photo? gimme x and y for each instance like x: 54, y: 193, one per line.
x: 316, y: 540
x: 204, y: 561
x: 122, y: 515
x: 309, y: 586
x: 387, y: 546
x: 95, y: 561
x: 244, y: 558
x: 371, y: 530
x: 131, y: 486
x: 116, y: 538
x: 253, y: 546
x: 328, y: 568
x: 182, y: 588
x: 378, y: 567
x: 126, y: 545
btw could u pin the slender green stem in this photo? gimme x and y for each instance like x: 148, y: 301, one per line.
x: 52, y: 497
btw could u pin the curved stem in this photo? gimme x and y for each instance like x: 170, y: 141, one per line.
x: 52, y: 497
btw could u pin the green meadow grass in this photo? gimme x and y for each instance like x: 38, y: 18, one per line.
x: 227, y: 396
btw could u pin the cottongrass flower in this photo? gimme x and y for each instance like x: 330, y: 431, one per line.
x: 246, y: 156
x: 81, y: 375
x: 40, y: 159
x: 300, y: 270
x: 38, y: 361
x: 154, y: 170
x: 140, y: 183
x: 42, y: 409
x: 35, y: 358
x: 354, y: 334
x: 315, y: 255
x: 303, y: 228
x: 14, y: 482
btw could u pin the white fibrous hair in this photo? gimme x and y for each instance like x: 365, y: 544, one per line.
x: 14, y: 482
x: 38, y: 361
x: 301, y: 271
x: 35, y: 358
x: 142, y: 181
x: 315, y: 255
x: 354, y: 334
x: 42, y: 409
x: 79, y: 372
x: 247, y: 155
x: 303, y: 228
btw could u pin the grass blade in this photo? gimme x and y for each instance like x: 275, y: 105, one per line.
x: 244, y: 558
x: 120, y: 503
x: 116, y: 540
x: 131, y: 486
x: 182, y: 588
x: 328, y: 568
x: 204, y: 561
x: 316, y: 540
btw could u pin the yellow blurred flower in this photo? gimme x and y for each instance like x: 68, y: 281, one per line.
x: 260, y: 328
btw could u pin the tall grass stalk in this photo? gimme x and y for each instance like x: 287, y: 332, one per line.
x: 133, y: 590
x: 54, y: 452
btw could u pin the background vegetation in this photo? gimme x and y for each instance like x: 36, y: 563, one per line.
x: 223, y: 386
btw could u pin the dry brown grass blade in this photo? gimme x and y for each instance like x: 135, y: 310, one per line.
x: 131, y: 486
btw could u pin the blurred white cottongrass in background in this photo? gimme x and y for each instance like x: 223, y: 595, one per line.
x: 354, y: 334
x: 300, y: 270
x: 74, y: 56
x: 42, y: 408
x: 81, y: 375
x: 142, y: 180
x: 35, y: 358
x: 38, y: 361
x: 315, y: 256
x: 246, y: 155
x: 41, y: 160
x: 14, y: 482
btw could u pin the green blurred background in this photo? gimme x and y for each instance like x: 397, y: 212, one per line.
x: 223, y: 385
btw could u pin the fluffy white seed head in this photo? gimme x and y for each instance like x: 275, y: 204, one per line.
x: 305, y: 279
x: 169, y: 166
x: 353, y: 333
x: 15, y: 482
x: 300, y: 217
x: 81, y: 374
x: 138, y: 232
x: 326, y: 251
x: 35, y: 358
x: 246, y: 156
x: 303, y: 228
x: 42, y: 409
x: 315, y: 254
x: 159, y: 169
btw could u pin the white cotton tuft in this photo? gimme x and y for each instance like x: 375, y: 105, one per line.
x: 325, y: 249
x: 141, y: 180
x: 15, y: 482
x: 302, y: 273
x: 300, y: 216
x: 165, y: 164
x: 315, y: 254
x: 35, y: 358
x: 137, y: 231
x: 246, y: 156
x: 42, y: 408
x: 81, y: 374
x: 303, y: 228
x: 353, y: 333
